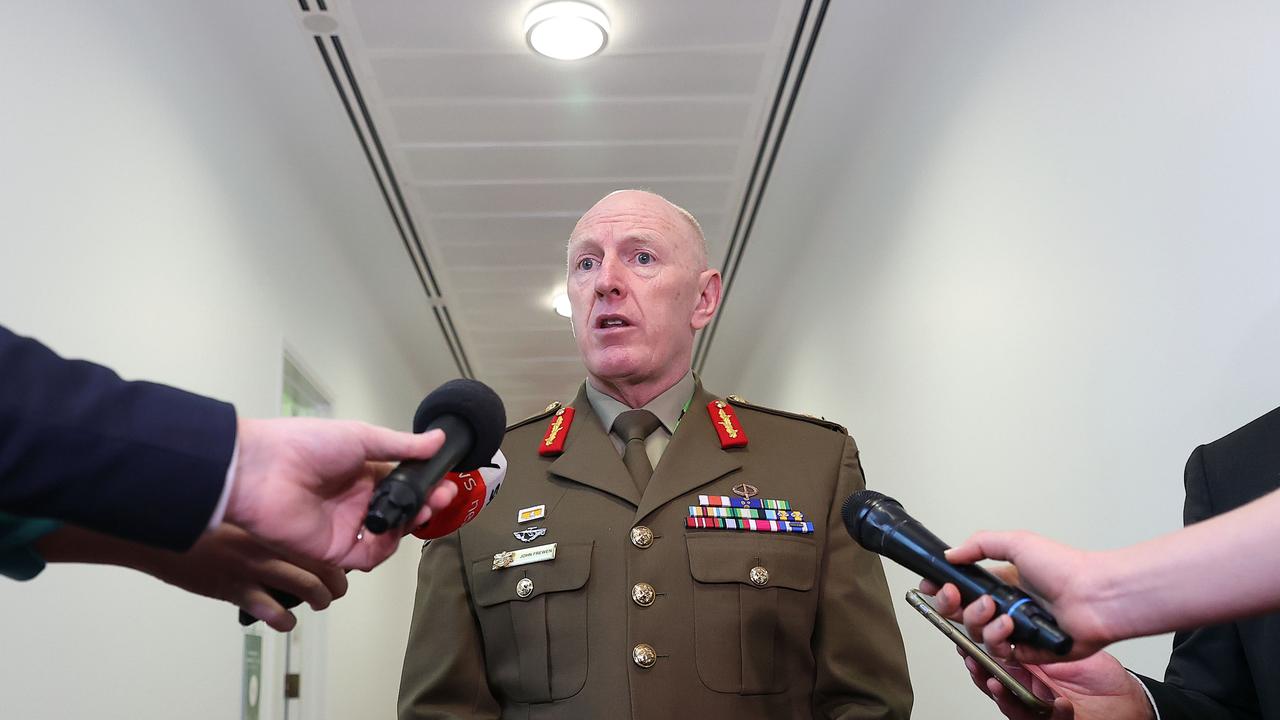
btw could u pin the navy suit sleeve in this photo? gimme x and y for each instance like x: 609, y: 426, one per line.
x: 137, y: 460
x: 1208, y: 677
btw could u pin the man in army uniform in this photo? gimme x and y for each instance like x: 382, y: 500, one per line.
x: 645, y: 558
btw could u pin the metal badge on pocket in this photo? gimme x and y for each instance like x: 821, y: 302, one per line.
x: 530, y: 534
x: 524, y: 556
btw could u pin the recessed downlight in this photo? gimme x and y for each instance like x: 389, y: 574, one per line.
x: 566, y: 29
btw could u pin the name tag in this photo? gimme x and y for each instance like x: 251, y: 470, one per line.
x: 524, y: 556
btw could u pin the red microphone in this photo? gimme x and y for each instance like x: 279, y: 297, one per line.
x: 476, y: 489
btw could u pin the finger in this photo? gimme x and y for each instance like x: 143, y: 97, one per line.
x: 441, y: 497
x: 977, y: 675
x: 424, y: 514
x: 947, y: 602
x: 929, y: 587
x: 1006, y: 572
x: 334, y: 579
x: 978, y: 614
x: 1019, y: 672
x: 261, y: 605
x: 332, y: 576
x: 1008, y: 705
x: 443, y: 494
x: 980, y: 546
x: 296, y: 581
x: 1034, y: 656
x: 383, y: 444
x: 370, y: 551
x: 996, y: 634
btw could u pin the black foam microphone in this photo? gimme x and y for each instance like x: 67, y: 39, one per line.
x: 880, y: 525
x: 474, y: 421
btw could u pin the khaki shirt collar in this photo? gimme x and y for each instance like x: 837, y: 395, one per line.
x: 668, y: 406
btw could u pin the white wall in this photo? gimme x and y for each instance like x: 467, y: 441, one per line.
x: 1028, y: 253
x: 180, y: 199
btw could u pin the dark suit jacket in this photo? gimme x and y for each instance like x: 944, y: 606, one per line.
x: 137, y: 460
x: 1231, y: 671
x: 815, y: 639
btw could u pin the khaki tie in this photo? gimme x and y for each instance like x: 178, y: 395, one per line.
x: 633, y: 426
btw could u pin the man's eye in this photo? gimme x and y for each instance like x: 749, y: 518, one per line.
x: 644, y: 258
x: 586, y: 264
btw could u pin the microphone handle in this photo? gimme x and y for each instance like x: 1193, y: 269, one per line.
x: 400, y: 495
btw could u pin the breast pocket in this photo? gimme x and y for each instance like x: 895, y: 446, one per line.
x: 753, y: 609
x: 534, y: 622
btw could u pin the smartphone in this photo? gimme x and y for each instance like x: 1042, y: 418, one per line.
x: 976, y: 652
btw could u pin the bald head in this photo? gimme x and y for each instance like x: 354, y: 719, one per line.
x: 635, y: 203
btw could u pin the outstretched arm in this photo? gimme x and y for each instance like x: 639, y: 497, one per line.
x: 1102, y: 597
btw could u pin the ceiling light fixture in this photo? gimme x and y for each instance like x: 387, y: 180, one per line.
x: 562, y: 306
x: 566, y: 29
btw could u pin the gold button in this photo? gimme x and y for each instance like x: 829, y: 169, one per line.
x: 644, y: 655
x: 759, y: 576
x: 524, y: 588
x: 643, y: 594
x: 641, y: 536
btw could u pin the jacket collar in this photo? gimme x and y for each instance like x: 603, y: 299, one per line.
x: 692, y: 459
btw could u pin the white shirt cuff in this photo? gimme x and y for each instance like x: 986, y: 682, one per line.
x: 221, y: 509
x: 1146, y: 691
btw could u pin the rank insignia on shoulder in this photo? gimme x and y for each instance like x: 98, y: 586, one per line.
x: 557, y: 430
x: 725, y: 421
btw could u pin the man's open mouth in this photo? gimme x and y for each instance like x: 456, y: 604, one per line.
x: 605, y: 322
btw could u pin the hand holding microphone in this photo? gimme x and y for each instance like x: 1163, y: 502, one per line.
x: 881, y: 525
x: 473, y: 420
x: 1059, y: 574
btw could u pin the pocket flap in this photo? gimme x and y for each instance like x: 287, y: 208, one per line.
x: 716, y: 557
x: 568, y: 571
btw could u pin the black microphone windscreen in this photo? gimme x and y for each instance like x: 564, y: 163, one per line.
x: 475, y: 403
x: 853, y: 504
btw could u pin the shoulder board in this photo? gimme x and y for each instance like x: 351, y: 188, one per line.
x: 538, y: 416
x: 737, y: 401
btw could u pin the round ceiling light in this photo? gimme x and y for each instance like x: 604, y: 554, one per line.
x: 566, y: 29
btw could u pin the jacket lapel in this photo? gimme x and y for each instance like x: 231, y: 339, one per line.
x: 589, y: 457
x: 692, y: 459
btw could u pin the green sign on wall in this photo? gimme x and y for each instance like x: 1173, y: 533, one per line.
x: 252, y: 689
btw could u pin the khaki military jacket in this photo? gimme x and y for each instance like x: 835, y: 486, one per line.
x: 739, y: 624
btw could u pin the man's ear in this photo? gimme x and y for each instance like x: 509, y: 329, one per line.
x: 708, y: 298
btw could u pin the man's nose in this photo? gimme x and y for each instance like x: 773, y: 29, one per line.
x: 610, y: 280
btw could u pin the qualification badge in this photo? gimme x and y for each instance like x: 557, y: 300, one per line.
x: 530, y: 534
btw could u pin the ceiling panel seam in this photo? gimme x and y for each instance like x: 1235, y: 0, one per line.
x: 755, y: 190
x: 389, y: 186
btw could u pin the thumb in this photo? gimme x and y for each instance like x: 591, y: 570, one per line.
x: 984, y: 545
x: 383, y: 444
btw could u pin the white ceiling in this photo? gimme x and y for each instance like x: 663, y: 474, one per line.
x: 497, y: 151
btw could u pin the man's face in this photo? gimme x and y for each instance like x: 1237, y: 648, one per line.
x: 635, y: 281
